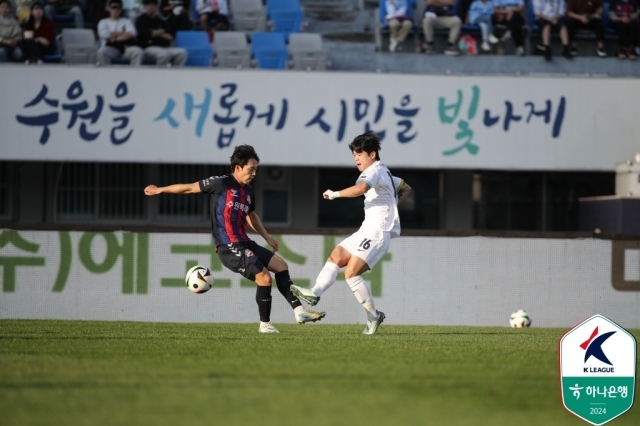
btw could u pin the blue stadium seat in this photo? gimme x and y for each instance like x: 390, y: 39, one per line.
x: 269, y: 50
x: 196, y: 43
x: 56, y: 56
x: 286, y: 15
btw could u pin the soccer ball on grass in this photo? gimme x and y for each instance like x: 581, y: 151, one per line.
x: 519, y: 319
x: 199, y: 279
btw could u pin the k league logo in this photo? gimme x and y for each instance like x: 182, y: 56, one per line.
x: 597, y: 360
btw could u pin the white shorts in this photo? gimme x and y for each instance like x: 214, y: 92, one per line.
x: 370, y: 246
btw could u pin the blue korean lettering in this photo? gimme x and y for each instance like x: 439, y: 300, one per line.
x: 121, y: 91
x: 44, y: 120
x: 546, y: 114
x: 406, y: 124
x: 203, y: 107
x: 226, y: 137
x: 317, y: 119
x: 73, y: 93
x: 361, y: 109
x: 166, y: 114
x: 268, y: 116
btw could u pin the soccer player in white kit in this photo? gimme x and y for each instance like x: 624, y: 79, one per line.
x: 362, y: 250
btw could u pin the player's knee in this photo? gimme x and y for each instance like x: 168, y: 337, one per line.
x: 350, y: 273
x: 263, y: 278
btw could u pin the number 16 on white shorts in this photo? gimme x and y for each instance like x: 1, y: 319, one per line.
x: 369, y: 246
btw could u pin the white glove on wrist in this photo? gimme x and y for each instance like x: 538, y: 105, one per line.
x: 331, y: 194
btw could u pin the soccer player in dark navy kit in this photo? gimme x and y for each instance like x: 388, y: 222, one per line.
x: 232, y: 207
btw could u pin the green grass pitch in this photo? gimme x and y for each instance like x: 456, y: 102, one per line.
x: 122, y: 373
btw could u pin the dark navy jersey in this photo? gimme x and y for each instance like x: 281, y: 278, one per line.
x: 230, y: 204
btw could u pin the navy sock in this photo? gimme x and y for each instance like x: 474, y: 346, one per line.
x: 263, y: 298
x: 284, y: 286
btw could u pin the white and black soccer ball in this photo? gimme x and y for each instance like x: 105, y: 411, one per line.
x: 519, y: 319
x: 199, y: 279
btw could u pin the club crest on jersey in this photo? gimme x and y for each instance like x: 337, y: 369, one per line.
x: 248, y: 253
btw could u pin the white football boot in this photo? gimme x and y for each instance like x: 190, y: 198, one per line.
x: 307, y: 315
x: 267, y: 327
x: 372, y: 326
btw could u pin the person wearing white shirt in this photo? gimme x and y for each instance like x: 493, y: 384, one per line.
x: 213, y: 10
x: 550, y: 14
x: 362, y: 250
x: 399, y: 22
x: 117, y: 37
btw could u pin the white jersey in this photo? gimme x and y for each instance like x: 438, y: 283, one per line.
x: 381, y: 200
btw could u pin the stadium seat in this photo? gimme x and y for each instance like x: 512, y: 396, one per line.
x: 307, y: 52
x: 269, y: 50
x: 56, y: 56
x: 232, y: 49
x: 197, y: 46
x: 248, y: 15
x: 285, y: 16
x: 79, y: 46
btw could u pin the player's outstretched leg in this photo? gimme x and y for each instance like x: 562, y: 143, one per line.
x: 362, y: 292
x: 326, y: 278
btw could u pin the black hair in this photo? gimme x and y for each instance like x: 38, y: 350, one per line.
x: 241, y: 156
x: 368, y: 142
x: 31, y: 19
x: 7, y: 2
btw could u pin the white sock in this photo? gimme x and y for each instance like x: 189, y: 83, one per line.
x: 298, y: 309
x: 264, y: 323
x: 326, y: 278
x: 362, y: 292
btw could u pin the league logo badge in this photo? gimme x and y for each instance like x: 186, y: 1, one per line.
x: 597, y: 370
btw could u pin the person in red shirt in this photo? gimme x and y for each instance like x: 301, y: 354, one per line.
x: 624, y: 18
x: 39, y: 35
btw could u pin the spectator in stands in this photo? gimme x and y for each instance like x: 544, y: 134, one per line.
x: 586, y: 15
x: 508, y: 22
x: 118, y: 37
x: 10, y: 34
x: 95, y: 11
x: 39, y: 37
x: 65, y: 7
x: 481, y: 14
x: 624, y: 19
x: 213, y: 10
x: 550, y: 15
x: 131, y: 9
x: 440, y: 14
x: 176, y: 13
x: 154, y: 38
x: 399, y: 22
x: 23, y: 10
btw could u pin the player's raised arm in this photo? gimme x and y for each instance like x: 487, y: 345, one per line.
x: 178, y: 188
x: 353, y: 191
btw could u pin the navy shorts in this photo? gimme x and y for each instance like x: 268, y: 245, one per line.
x: 247, y: 259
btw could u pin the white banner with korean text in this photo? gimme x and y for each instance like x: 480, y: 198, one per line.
x: 123, y: 276
x: 151, y: 115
